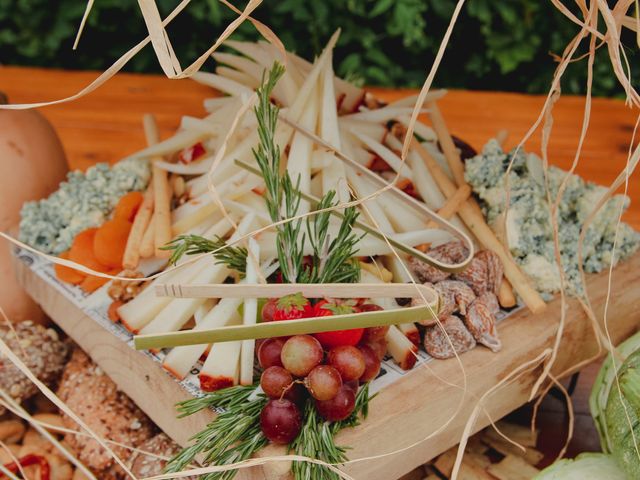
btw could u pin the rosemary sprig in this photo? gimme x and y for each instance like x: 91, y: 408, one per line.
x: 316, y: 440
x: 233, y: 257
x: 282, y: 196
x: 332, y: 260
x: 226, y: 398
x: 232, y: 436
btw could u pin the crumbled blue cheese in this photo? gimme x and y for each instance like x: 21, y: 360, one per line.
x: 85, y: 200
x: 529, y: 230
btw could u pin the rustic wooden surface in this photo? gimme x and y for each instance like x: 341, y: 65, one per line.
x: 107, y: 124
x: 419, y: 410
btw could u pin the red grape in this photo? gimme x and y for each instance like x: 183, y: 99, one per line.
x: 371, y: 364
x: 348, y: 360
x: 274, y: 381
x: 280, y: 421
x: 269, y: 352
x: 353, y: 385
x: 323, y: 382
x: 297, y: 394
x: 339, y: 407
x: 369, y: 307
x: 300, y: 354
x: 268, y: 309
x: 378, y: 346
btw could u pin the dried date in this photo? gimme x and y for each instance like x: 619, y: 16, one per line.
x: 456, y: 295
x: 450, y: 337
x: 494, y: 269
x: 482, y: 325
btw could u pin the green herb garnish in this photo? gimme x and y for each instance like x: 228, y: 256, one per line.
x: 233, y: 257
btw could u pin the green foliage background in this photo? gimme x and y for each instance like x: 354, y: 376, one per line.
x: 497, y: 44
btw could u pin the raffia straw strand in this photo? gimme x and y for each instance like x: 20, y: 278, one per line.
x: 15, y: 460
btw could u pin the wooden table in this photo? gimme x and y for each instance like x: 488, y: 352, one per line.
x: 107, y: 124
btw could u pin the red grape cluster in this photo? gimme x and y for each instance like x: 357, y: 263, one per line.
x: 328, y: 366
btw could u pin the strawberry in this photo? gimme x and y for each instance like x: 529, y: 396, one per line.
x: 291, y: 307
x: 324, y: 308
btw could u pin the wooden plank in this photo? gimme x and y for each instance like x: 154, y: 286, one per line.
x: 405, y: 413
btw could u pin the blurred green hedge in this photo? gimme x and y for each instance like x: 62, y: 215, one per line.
x: 497, y: 44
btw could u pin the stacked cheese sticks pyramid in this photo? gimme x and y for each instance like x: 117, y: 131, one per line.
x: 333, y: 137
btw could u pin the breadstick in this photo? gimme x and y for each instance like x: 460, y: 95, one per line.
x: 446, y: 144
x: 450, y: 208
x: 161, y: 193
x: 502, y: 136
x: 140, y: 223
x: 472, y: 216
x: 506, y: 298
x: 147, y: 244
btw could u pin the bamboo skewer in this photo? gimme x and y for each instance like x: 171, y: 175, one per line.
x: 290, y: 327
x: 310, y: 290
x: 473, y: 218
x: 162, y: 193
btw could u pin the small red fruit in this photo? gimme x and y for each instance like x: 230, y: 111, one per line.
x: 280, y: 421
x: 292, y: 307
x: 268, y: 309
x: 336, y: 338
x: 339, y: 407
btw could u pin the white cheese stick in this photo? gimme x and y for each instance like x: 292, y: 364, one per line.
x: 142, y: 309
x: 222, y: 84
x: 214, y: 104
x: 180, y: 359
x: 173, y: 317
x: 311, y: 80
x: 376, y: 131
x: 401, y: 348
x: 238, y: 76
x: 299, y: 159
x: 328, y: 127
x: 394, y: 161
x: 179, y: 310
x: 222, y: 366
x: 250, y: 313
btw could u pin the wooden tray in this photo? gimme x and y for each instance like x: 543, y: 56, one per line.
x: 412, y: 408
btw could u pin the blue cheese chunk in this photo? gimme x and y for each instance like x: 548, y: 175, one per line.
x: 529, y: 226
x: 85, y: 200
